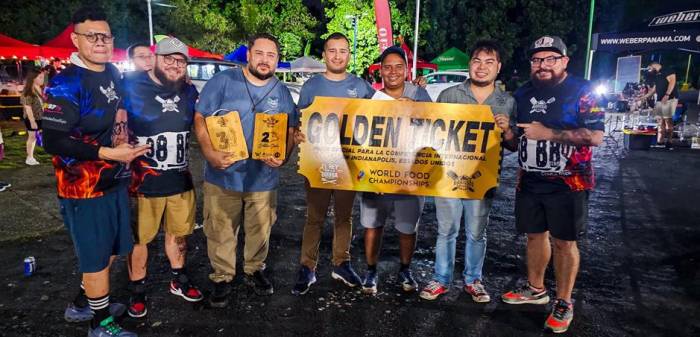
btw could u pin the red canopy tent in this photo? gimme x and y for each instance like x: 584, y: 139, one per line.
x: 13, y: 48
x: 62, y: 47
x: 194, y: 52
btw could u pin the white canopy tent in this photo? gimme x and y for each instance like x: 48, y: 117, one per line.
x: 306, y: 64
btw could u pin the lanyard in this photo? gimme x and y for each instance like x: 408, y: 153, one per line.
x: 252, y: 101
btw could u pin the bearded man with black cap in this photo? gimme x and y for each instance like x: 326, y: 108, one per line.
x: 558, y: 123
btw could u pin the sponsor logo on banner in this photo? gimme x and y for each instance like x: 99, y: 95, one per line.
x: 329, y: 173
x: 692, y: 16
x: 463, y: 183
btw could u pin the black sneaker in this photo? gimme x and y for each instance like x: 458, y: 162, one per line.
x: 306, y: 278
x: 219, y: 296
x: 344, y: 273
x: 669, y: 146
x: 137, y: 305
x: 408, y: 283
x: 4, y: 186
x: 260, y: 283
x: 369, y: 285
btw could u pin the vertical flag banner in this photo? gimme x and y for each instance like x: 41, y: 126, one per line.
x: 383, y: 15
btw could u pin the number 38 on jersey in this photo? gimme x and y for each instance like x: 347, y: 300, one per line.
x: 168, y: 151
x: 543, y: 155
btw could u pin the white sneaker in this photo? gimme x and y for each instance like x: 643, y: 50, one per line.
x: 31, y: 161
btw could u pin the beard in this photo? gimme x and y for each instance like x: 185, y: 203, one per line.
x: 478, y: 83
x: 554, y: 80
x: 254, y: 71
x: 170, y: 85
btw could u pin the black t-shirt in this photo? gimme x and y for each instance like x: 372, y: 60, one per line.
x: 548, y: 167
x: 161, y: 118
x: 84, y: 103
x: 661, y: 83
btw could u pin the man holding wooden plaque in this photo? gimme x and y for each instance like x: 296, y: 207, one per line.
x: 236, y: 187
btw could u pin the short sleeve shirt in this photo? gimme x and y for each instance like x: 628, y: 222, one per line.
x: 161, y: 118
x: 84, y: 104
x: 661, y: 83
x: 229, y: 90
x: 35, y: 102
x: 548, y: 167
x: 350, y: 87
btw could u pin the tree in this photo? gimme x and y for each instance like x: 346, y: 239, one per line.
x: 289, y: 20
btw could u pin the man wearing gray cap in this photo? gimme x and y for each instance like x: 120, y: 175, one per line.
x: 160, y: 108
x: 558, y: 123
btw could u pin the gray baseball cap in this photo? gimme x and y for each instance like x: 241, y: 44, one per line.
x: 547, y: 42
x: 171, y: 45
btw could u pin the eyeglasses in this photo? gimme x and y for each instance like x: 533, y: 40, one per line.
x: 169, y: 60
x: 548, y: 61
x: 93, y: 37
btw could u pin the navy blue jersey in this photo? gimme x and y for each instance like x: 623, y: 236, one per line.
x: 545, y: 166
x: 84, y: 103
x: 161, y: 118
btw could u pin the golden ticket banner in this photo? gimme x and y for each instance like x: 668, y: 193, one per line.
x: 226, y: 135
x: 270, y: 136
x: 432, y: 149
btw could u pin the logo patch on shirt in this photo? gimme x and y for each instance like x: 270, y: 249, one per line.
x: 168, y: 104
x: 540, y: 106
x: 109, y: 92
x: 352, y: 93
x: 273, y: 103
x: 52, y: 108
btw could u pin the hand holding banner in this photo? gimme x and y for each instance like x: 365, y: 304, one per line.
x: 435, y: 149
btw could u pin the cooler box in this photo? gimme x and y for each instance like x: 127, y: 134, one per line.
x: 635, y: 140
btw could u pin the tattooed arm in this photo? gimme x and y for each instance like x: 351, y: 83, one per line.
x: 576, y: 137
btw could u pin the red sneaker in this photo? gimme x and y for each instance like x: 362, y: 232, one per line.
x: 183, y: 288
x: 137, y: 305
x: 561, y: 316
x: 478, y: 292
x: 433, y: 290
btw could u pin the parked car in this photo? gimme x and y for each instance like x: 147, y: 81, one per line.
x: 441, y: 80
x: 201, y: 70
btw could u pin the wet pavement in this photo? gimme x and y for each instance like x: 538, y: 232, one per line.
x: 639, y: 269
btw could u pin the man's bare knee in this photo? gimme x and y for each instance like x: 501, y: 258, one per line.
x: 564, y: 246
x: 535, y: 237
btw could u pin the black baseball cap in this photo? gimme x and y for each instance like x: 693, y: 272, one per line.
x: 548, y: 42
x: 393, y: 50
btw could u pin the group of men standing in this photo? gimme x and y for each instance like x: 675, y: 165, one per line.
x: 112, y: 137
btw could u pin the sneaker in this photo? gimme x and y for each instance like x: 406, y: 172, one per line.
x: 669, y: 146
x: 344, y: 273
x: 4, y: 186
x: 109, y: 328
x: 31, y: 162
x: 219, y: 296
x: 478, y: 292
x: 408, y: 283
x: 137, y: 305
x: 433, y: 290
x: 369, y: 285
x: 75, y: 314
x: 260, y: 283
x: 307, y: 277
x: 526, y: 295
x: 184, y: 288
x: 561, y: 316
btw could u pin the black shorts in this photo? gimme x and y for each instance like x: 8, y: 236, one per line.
x: 29, y: 125
x: 563, y: 214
